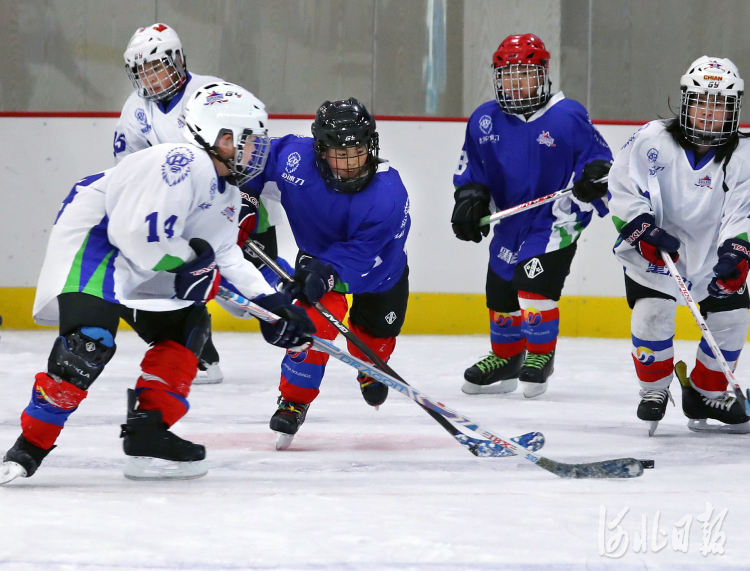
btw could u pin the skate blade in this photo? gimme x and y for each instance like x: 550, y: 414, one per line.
x: 211, y: 376
x: 533, y: 390
x: 703, y: 426
x: 10, y: 471
x: 652, y: 424
x: 145, y: 468
x: 283, y: 440
x: 498, y: 388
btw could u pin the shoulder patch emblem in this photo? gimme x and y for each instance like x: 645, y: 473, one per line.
x: 485, y: 124
x: 177, y: 166
x: 140, y: 116
x: 292, y: 162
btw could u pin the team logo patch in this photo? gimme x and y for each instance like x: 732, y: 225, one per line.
x: 140, y: 116
x: 212, y: 190
x: 390, y: 318
x: 645, y: 356
x: 546, y: 139
x: 296, y: 356
x: 714, y: 65
x: 215, y: 97
x: 485, y: 124
x: 229, y: 212
x: 533, y: 268
x: 502, y: 320
x: 177, y: 166
x: 704, y: 182
x: 652, y: 155
x: 532, y: 316
x: 292, y: 162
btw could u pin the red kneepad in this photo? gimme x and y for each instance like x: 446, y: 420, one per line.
x: 382, y: 346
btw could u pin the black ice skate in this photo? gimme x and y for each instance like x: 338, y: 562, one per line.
x: 286, y: 421
x: 536, y: 369
x: 653, y: 406
x: 22, y: 460
x: 493, y: 375
x: 373, y: 392
x: 155, y: 453
x: 697, y: 407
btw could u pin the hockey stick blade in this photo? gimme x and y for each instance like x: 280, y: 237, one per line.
x: 477, y: 447
x: 620, y: 468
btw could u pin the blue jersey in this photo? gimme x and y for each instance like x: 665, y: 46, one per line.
x: 361, y: 235
x: 520, y: 160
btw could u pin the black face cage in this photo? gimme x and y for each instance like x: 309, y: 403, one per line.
x: 513, y: 104
x: 174, y: 67
x: 721, y: 118
x: 350, y: 185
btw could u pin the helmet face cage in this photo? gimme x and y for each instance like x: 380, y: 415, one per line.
x: 709, y: 119
x: 360, y: 180
x: 511, y: 79
x: 250, y: 156
x: 160, y: 78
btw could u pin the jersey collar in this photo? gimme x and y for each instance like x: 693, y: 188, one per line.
x: 556, y: 98
x: 704, y: 160
x: 177, y: 98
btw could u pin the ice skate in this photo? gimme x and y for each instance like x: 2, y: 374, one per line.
x: 535, y: 372
x: 286, y: 421
x: 653, y: 406
x: 698, y: 408
x: 155, y: 453
x: 22, y: 460
x: 493, y: 375
x: 373, y: 392
x: 208, y: 374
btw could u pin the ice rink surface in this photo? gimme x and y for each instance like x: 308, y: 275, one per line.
x: 364, y: 490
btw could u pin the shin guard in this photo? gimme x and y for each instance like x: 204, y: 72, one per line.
x: 652, y: 329
x: 729, y: 329
x: 541, y: 322
x: 52, y: 402
x: 506, y: 334
x: 168, y: 371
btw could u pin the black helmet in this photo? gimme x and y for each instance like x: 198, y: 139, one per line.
x: 341, y: 124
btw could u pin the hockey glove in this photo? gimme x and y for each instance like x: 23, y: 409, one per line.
x: 248, y: 218
x: 586, y: 188
x: 645, y: 236
x: 198, y: 280
x: 731, y: 270
x: 312, y: 279
x: 293, y: 330
x: 472, y: 204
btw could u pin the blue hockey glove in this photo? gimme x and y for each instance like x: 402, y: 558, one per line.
x: 732, y: 268
x: 645, y: 236
x: 472, y: 204
x: 586, y: 189
x: 293, y: 330
x: 199, y: 279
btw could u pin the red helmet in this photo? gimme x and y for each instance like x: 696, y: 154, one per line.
x: 519, y: 62
x: 525, y: 49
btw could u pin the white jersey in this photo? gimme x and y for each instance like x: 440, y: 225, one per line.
x: 119, y: 230
x: 701, y: 207
x: 145, y: 123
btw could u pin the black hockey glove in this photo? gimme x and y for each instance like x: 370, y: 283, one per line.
x: 199, y: 279
x: 586, y: 189
x: 645, y: 236
x: 472, y: 204
x: 293, y: 330
x: 731, y: 270
x: 312, y: 279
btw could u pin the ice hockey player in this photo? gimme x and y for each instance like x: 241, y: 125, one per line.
x: 153, y: 114
x: 349, y: 212
x: 144, y: 241
x: 682, y: 186
x: 526, y: 144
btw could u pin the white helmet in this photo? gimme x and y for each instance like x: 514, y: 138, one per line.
x: 218, y: 108
x: 711, y: 101
x: 155, y: 63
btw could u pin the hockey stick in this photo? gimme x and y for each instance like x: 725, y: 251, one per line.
x: 476, y: 447
x: 619, y: 468
x: 530, y: 204
x: 706, y: 332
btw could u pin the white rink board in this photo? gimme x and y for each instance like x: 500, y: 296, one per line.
x: 41, y: 159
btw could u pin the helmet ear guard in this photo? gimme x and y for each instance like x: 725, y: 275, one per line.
x: 339, y: 125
